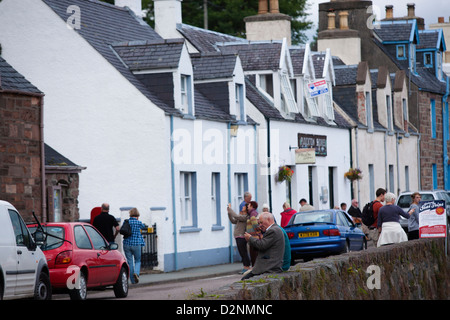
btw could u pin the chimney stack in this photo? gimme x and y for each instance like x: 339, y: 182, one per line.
x: 134, y: 5
x: 389, y: 11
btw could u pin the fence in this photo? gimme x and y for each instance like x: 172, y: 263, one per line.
x: 149, y: 258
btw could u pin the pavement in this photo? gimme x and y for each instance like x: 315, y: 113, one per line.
x: 152, y: 277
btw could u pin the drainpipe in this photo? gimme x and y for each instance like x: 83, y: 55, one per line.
x: 386, y: 162
x: 398, y: 163
x: 357, y: 161
x: 174, y: 217
x: 230, y: 227
x: 256, y: 164
x: 44, y: 216
x: 352, y: 192
x: 269, y: 164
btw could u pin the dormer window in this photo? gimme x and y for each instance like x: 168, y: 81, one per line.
x: 369, y: 121
x: 412, y: 57
x: 239, y: 100
x: 186, y: 94
x: 401, y: 52
x: 439, y: 65
x: 428, y: 60
x: 287, y: 96
x: 266, y: 83
x: 310, y: 106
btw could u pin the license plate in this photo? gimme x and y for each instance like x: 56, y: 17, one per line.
x: 308, y: 234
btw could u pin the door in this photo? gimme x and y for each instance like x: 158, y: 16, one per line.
x: 27, y: 261
x: 347, y: 228
x: 86, y: 255
x: 107, y: 260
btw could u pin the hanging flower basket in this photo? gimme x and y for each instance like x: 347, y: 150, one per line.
x: 353, y: 174
x: 284, y: 174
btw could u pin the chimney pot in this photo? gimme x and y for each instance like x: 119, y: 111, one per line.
x: 263, y: 7
x: 274, y: 6
x: 331, y: 21
x: 441, y: 20
x: 411, y: 9
x: 343, y: 20
x: 389, y: 11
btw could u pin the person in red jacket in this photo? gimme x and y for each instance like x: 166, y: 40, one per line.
x: 287, y: 214
x: 373, y: 230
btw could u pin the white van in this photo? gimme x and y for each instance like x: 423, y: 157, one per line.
x: 23, y: 266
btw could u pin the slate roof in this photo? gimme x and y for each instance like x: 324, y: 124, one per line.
x: 297, y: 58
x: 54, y: 159
x: 396, y: 31
x: 205, y: 40
x: 103, y: 25
x: 11, y: 80
x: 255, y: 56
x: 147, y: 55
x: 430, y: 39
x: 213, y: 66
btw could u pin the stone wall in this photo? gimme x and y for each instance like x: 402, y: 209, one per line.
x: 411, y: 270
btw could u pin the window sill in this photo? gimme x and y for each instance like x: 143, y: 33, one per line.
x: 190, y: 229
x: 217, y: 228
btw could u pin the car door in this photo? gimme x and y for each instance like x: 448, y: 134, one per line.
x: 107, y: 260
x: 86, y: 255
x: 27, y: 260
x: 347, y: 229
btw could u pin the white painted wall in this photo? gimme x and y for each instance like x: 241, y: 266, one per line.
x: 92, y: 114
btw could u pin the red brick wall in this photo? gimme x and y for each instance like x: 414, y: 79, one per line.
x: 430, y: 149
x: 20, y: 153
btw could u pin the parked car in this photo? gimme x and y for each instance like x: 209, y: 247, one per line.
x: 23, y: 267
x: 79, y: 258
x: 323, y: 232
x: 404, y: 201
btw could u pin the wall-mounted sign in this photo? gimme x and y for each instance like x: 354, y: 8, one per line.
x: 317, y: 88
x: 318, y: 143
x: 305, y: 155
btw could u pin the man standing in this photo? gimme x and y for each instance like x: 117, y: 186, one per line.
x: 287, y: 214
x: 305, y: 206
x: 355, y: 212
x: 373, y: 233
x: 270, y: 247
x: 247, y: 199
x: 106, y: 223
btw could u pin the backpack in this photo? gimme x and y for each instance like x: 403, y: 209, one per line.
x: 367, y: 214
x: 125, y: 230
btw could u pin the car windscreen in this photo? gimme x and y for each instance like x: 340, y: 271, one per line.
x: 404, y: 201
x: 312, y: 217
x: 51, y: 239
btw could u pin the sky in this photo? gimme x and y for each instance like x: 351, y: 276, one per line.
x: 430, y: 10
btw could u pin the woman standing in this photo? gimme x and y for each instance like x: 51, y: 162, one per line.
x: 413, y: 222
x: 132, y: 245
x: 388, y: 222
x: 240, y: 220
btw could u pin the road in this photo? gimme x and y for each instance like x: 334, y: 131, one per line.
x: 183, y: 290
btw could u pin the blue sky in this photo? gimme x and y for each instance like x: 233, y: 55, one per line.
x: 430, y: 10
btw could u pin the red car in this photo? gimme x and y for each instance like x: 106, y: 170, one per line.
x: 79, y: 258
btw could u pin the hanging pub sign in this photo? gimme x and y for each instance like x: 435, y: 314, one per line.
x: 318, y: 143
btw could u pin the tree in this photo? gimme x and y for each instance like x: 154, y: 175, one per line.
x: 227, y: 16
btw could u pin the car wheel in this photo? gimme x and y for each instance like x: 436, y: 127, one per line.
x: 364, y: 245
x: 121, y: 286
x: 43, y: 290
x: 346, y: 248
x: 81, y: 292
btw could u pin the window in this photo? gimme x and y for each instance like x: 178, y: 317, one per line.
x: 407, y: 178
x: 435, y: 182
x: 266, y: 83
x: 389, y: 113
x: 391, y: 179
x: 81, y: 238
x: 311, y: 104
x: 188, y: 199
x: 328, y: 101
x: 369, y: 112
x: 287, y: 95
x: 433, y: 118
x: 405, y: 114
x: 239, y: 98
x: 241, y: 182
x: 97, y: 240
x: 401, y: 54
x: 215, y: 199
x: 21, y: 232
x: 427, y: 59
x: 186, y: 94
